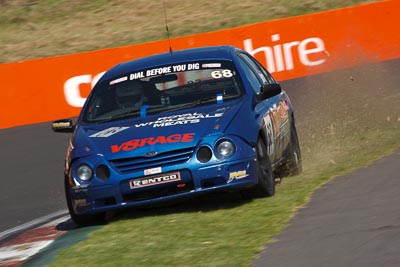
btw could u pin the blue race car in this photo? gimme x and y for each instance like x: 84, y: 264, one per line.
x: 178, y: 124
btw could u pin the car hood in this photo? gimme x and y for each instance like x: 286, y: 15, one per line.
x: 137, y: 137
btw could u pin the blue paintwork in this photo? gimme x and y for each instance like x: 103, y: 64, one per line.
x: 242, y: 121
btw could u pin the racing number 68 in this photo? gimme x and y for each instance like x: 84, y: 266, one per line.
x: 217, y: 74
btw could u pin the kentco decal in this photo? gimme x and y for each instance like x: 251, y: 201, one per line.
x: 135, y: 143
x: 161, y: 179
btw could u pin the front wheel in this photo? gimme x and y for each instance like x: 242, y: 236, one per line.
x: 265, y: 186
x: 79, y: 219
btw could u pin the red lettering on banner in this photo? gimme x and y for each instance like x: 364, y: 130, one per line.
x: 135, y: 143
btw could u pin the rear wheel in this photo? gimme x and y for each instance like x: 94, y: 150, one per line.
x: 266, y: 182
x: 81, y: 220
x: 293, y: 165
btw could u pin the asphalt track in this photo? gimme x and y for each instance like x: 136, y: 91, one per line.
x: 352, y: 221
x: 32, y: 159
x: 32, y: 156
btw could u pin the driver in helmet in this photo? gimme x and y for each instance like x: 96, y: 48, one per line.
x: 129, y: 95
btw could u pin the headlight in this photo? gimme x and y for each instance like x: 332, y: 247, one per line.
x: 225, y: 148
x: 84, y: 172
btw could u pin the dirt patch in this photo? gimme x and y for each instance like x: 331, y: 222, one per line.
x: 341, y: 111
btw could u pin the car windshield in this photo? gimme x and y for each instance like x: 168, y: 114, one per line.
x: 163, y: 89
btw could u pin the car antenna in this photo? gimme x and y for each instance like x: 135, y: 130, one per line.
x: 166, y: 26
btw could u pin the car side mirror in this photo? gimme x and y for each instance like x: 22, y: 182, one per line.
x: 269, y: 90
x: 63, y: 126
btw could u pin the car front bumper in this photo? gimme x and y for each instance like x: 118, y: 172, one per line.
x: 125, y: 191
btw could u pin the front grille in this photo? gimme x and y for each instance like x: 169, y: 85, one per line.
x: 127, y: 165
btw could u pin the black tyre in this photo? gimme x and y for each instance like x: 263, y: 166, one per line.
x: 292, y: 164
x: 81, y: 220
x: 266, y: 181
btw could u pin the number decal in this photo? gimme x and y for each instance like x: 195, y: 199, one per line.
x: 217, y: 74
x: 227, y: 73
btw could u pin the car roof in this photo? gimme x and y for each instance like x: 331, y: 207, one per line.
x: 187, y: 55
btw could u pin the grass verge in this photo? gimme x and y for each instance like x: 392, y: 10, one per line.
x: 32, y: 29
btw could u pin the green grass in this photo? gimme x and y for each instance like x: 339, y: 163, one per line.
x: 32, y: 29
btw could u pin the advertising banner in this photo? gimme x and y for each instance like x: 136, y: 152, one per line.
x: 51, y: 88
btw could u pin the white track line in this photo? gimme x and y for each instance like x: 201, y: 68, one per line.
x: 32, y: 224
x: 21, y: 252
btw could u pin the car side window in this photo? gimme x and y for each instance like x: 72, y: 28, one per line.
x: 264, y: 75
x: 255, y: 68
x: 264, y: 72
x: 251, y: 75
